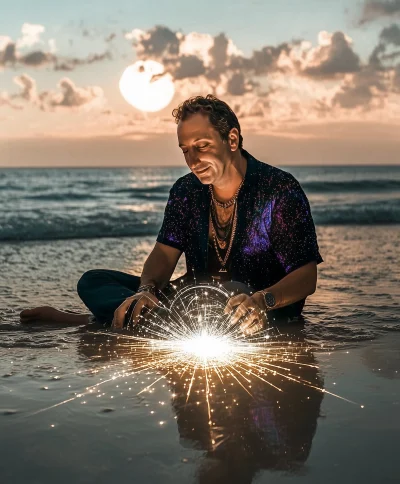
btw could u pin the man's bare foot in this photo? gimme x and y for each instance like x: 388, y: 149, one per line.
x: 47, y: 314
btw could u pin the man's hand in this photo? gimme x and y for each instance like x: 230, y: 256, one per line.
x: 251, y: 308
x: 144, y: 300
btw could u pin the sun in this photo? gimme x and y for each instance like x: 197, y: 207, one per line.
x: 143, y: 91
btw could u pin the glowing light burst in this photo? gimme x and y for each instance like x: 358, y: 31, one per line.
x: 191, y: 338
x: 191, y: 345
x: 209, y: 349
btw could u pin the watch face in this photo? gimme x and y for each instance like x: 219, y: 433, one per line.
x: 269, y: 299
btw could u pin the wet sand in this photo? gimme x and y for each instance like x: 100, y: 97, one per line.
x: 118, y: 434
x: 300, y: 434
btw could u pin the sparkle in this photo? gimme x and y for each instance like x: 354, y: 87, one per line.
x: 190, y: 343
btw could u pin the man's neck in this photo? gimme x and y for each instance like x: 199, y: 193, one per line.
x: 225, y: 189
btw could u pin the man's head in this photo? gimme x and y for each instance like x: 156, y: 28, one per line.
x: 209, y: 136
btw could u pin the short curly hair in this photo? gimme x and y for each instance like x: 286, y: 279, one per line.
x: 219, y: 113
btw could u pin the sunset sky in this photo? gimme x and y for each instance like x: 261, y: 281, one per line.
x: 312, y: 82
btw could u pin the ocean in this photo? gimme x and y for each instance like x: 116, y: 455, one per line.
x: 73, y: 406
x: 50, y: 204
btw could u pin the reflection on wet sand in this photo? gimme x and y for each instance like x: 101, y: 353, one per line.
x: 383, y: 358
x: 253, y: 427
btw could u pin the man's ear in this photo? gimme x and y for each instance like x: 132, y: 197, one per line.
x: 233, y: 139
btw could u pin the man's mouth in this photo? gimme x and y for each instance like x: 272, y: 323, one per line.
x: 200, y: 172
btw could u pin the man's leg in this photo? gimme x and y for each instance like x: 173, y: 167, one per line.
x: 103, y: 290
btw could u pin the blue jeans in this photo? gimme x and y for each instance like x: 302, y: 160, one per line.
x: 103, y: 290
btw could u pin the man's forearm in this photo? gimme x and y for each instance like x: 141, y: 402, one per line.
x: 156, y: 270
x: 295, y: 286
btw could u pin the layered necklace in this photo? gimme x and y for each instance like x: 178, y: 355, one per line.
x: 225, y: 229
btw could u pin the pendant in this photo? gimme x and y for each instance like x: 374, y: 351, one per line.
x: 222, y: 270
x: 222, y: 244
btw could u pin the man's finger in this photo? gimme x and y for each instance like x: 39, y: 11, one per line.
x: 119, y: 314
x: 255, y: 328
x: 252, y: 317
x: 243, y: 309
x: 234, y: 301
x: 138, y: 309
x: 143, y: 302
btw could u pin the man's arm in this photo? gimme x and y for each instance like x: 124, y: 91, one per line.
x: 160, y: 265
x: 157, y: 270
x: 296, y: 286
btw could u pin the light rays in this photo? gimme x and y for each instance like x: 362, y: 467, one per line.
x: 191, y: 346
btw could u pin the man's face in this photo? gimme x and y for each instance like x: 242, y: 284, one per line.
x: 206, y: 154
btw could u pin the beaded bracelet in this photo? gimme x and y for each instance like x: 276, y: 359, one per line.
x: 147, y: 288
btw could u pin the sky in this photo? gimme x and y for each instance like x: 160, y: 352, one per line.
x: 312, y: 81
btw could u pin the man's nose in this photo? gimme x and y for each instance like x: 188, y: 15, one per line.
x: 192, y: 160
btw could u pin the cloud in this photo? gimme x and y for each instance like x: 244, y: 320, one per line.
x: 237, y: 84
x: 366, y: 89
x: 69, y: 64
x: 333, y: 56
x: 36, y: 59
x: 28, y: 87
x: 52, y: 46
x: 7, y: 54
x: 158, y: 42
x: 218, y: 58
x: 276, y: 85
x: 71, y: 96
x: 391, y: 35
x: 382, y: 56
x: 285, y: 84
x: 110, y: 37
x: 185, y: 56
x: 12, y: 53
x: 395, y: 78
x: 30, y: 35
x: 189, y: 66
x: 261, y: 61
x: 373, y: 9
x: 5, y: 100
x: 219, y: 52
x: 198, y: 45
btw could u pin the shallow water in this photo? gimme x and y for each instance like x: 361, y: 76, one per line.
x: 352, y: 341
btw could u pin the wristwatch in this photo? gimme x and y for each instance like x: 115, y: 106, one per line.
x: 269, y: 299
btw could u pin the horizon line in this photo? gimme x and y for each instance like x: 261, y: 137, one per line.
x: 91, y: 167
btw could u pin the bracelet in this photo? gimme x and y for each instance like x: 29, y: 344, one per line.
x: 147, y: 288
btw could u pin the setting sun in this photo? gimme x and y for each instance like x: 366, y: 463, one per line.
x: 139, y: 89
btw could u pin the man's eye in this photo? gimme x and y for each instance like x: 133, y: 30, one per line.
x: 197, y: 147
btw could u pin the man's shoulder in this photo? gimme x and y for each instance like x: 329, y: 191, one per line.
x: 277, y: 179
x: 188, y: 183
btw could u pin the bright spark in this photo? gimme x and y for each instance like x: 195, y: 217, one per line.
x: 208, y: 348
x: 192, y: 341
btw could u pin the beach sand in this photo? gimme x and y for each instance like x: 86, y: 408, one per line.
x: 300, y: 434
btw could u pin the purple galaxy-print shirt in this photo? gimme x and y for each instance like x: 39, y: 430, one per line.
x: 275, y: 231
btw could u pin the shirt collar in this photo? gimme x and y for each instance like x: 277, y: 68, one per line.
x: 251, y: 168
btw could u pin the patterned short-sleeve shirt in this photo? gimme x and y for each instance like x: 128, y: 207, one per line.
x: 275, y: 230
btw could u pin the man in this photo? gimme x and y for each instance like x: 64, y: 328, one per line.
x: 234, y: 217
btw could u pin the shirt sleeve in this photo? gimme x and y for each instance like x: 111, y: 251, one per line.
x: 173, y: 231
x: 293, y: 235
